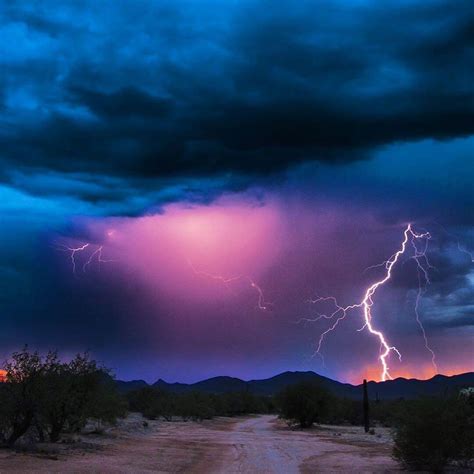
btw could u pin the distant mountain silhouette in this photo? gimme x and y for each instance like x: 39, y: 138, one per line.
x: 214, y: 385
x: 391, y: 389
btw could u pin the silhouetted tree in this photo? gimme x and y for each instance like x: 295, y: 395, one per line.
x: 22, y: 393
x: 305, y: 403
x: 76, y: 391
x: 431, y: 432
x: 153, y: 403
x: 54, y: 396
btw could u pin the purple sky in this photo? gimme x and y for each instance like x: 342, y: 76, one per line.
x: 195, y: 272
x: 222, y: 163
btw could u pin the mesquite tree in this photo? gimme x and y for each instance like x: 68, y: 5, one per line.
x: 49, y: 396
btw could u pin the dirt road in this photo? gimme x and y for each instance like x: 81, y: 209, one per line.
x: 254, y: 445
x: 266, y: 445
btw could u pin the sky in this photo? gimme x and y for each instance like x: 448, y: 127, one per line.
x: 184, y: 184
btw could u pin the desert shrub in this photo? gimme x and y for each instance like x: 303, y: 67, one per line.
x: 195, y: 406
x: 22, y: 394
x: 350, y: 411
x: 387, y: 412
x: 344, y: 411
x: 242, y: 403
x: 305, y: 403
x: 107, y: 405
x: 432, y: 432
x: 152, y: 403
x: 53, y: 396
x: 139, y: 400
x: 77, y: 391
x: 218, y: 404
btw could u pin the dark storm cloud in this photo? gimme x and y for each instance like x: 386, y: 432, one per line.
x: 117, y: 108
x: 172, y: 89
x: 464, y: 318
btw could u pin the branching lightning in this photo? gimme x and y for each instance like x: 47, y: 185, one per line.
x: 340, y: 312
x: 413, y: 247
x: 262, y: 304
x: 460, y: 247
x: 72, y: 254
x: 423, y: 282
x: 222, y: 279
x: 463, y: 250
x: 97, y: 255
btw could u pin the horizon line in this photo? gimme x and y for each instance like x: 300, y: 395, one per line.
x: 294, y: 372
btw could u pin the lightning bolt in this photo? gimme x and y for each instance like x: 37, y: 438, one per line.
x: 222, y: 279
x: 262, y: 304
x: 423, y: 282
x: 72, y: 255
x: 460, y: 247
x: 97, y: 254
x: 463, y: 250
x: 367, y: 302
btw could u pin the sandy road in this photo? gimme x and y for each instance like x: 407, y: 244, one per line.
x: 256, y: 445
x: 265, y: 445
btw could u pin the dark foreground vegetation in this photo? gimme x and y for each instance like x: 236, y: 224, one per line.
x: 429, y: 433
x: 154, y: 403
x: 42, y: 398
x: 432, y: 433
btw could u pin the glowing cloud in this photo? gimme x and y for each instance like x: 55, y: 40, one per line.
x: 203, y: 275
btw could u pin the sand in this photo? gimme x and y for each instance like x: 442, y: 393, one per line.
x: 259, y: 444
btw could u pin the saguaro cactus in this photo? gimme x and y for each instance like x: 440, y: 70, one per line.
x: 366, y: 408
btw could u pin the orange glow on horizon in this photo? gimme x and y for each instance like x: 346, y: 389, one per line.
x: 372, y: 373
x: 3, y: 375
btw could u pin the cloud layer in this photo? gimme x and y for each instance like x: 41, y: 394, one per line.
x: 323, y: 126
x: 158, y: 90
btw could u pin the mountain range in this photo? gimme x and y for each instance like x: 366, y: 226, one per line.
x: 388, y: 390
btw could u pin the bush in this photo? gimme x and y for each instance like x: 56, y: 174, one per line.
x: 107, y: 404
x: 305, y: 403
x: 433, y: 432
x: 53, y: 396
x: 153, y: 403
x: 21, y: 395
x: 195, y: 406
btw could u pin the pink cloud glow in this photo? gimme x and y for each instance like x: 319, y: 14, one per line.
x: 186, y: 262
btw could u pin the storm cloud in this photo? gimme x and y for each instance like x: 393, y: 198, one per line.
x: 156, y: 90
x: 345, y: 119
